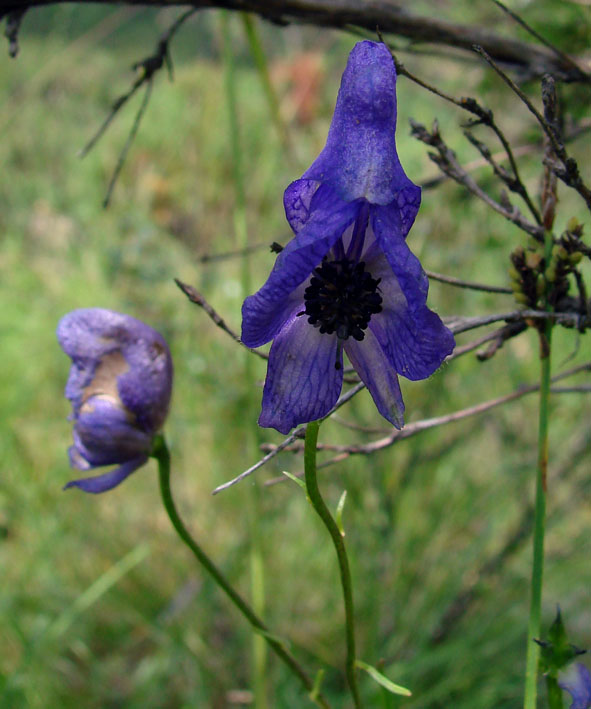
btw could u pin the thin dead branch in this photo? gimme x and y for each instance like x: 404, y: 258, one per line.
x: 568, y: 169
x: 412, y: 429
x: 447, y: 162
x: 148, y: 68
x: 528, y: 59
x: 195, y: 297
x: 470, y: 285
x: 298, y: 433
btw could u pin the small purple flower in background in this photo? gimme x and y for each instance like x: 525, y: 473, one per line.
x: 576, y: 680
x: 120, y: 385
x: 348, y: 280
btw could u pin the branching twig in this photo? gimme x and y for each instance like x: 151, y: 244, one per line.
x: 195, y: 297
x: 485, y: 117
x: 528, y: 59
x: 459, y: 324
x: 573, y: 132
x: 446, y: 160
x: 412, y: 429
x: 559, y: 53
x: 513, y: 182
x: 148, y: 68
x: 298, y: 433
x: 515, y: 318
x: 130, y: 138
x: 236, y: 253
x: 497, y: 338
x: 568, y: 172
x: 450, y: 280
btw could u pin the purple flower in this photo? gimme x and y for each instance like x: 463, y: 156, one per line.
x: 120, y: 385
x: 348, y: 280
x: 577, y: 682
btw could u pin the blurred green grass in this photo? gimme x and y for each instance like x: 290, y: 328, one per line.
x: 422, y: 518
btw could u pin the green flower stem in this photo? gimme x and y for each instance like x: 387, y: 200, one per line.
x: 339, y: 545
x: 554, y: 693
x: 161, y: 453
x: 256, y: 556
x: 537, y: 574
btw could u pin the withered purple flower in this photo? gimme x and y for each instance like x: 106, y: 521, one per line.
x: 348, y: 281
x: 120, y: 385
x: 576, y: 680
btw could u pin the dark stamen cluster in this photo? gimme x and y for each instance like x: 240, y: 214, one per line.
x: 341, y: 298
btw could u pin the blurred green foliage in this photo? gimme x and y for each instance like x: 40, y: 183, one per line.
x: 99, y: 604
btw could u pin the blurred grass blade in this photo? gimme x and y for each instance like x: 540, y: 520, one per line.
x: 260, y: 60
x: 92, y: 594
x: 383, y: 680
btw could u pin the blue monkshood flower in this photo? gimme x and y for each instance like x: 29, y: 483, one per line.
x: 576, y: 680
x: 348, y: 281
x: 120, y: 385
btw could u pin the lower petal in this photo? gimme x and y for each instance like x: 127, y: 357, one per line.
x: 302, y: 382
x: 415, y: 342
x: 379, y: 376
x: 107, y: 481
x: 412, y: 336
x: 576, y: 680
x: 105, y: 434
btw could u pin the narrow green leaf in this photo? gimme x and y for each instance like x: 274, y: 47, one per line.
x: 314, y: 693
x: 296, y: 480
x: 383, y: 680
x: 339, y: 513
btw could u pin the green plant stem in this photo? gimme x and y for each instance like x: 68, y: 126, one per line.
x: 537, y: 574
x: 256, y: 556
x: 260, y: 60
x: 339, y: 545
x: 554, y: 693
x: 161, y: 453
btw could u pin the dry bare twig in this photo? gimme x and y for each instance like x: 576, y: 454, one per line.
x: 148, y: 68
x: 412, y: 429
x: 526, y: 58
x: 568, y: 170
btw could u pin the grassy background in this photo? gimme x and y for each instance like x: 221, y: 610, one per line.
x: 99, y: 604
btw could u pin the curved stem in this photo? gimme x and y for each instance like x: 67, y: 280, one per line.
x: 339, y: 545
x: 162, y: 455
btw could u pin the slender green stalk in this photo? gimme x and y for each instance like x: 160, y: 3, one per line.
x: 162, y: 455
x: 237, y: 167
x: 256, y: 556
x: 554, y: 693
x: 260, y: 61
x: 537, y: 574
x: 339, y: 545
